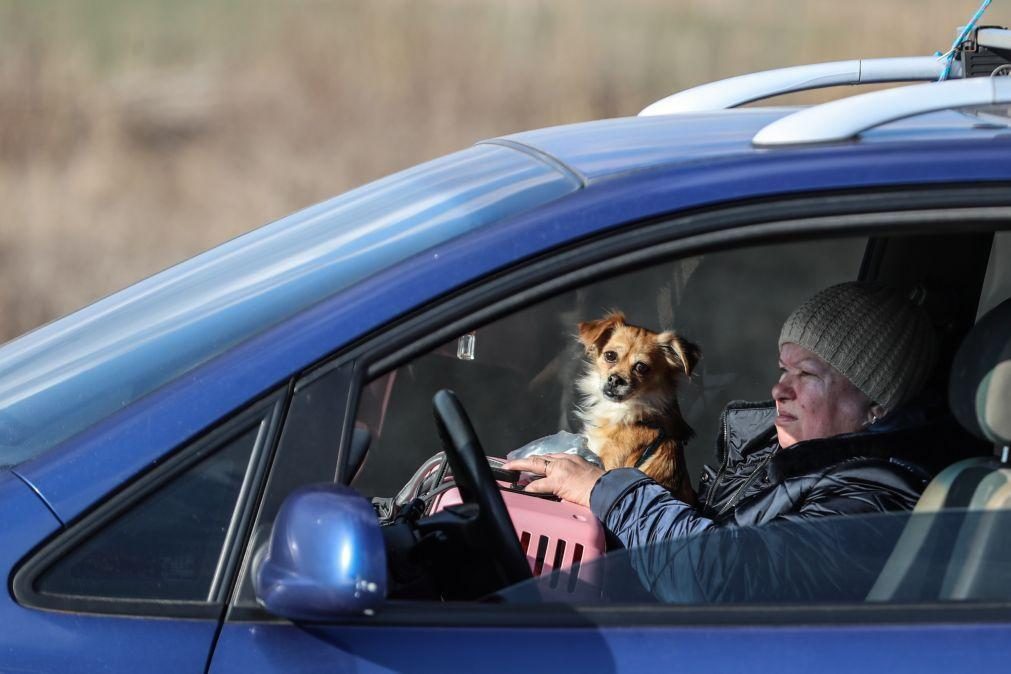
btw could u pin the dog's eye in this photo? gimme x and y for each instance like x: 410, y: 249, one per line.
x: 610, y: 356
x: 641, y: 368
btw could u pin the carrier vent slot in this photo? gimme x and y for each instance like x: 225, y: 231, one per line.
x: 559, y: 560
x: 577, y: 557
x: 525, y: 541
x: 542, y: 551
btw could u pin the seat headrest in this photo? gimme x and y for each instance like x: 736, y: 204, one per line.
x: 980, y: 388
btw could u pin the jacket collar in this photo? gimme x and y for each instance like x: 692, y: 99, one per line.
x: 923, y: 446
x: 744, y: 428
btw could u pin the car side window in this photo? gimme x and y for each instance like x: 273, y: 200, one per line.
x: 518, y: 379
x: 167, y: 546
x: 168, y: 537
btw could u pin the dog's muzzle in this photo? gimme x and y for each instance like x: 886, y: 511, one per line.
x: 616, y: 388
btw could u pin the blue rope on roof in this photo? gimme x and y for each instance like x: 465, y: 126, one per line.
x: 953, y: 52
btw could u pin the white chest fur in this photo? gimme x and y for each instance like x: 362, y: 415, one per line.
x: 598, y: 413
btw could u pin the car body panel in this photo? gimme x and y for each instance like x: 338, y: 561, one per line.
x: 314, y: 648
x: 75, y: 475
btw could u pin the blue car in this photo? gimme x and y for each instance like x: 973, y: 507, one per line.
x: 234, y: 466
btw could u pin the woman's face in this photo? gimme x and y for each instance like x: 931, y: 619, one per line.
x: 813, y: 400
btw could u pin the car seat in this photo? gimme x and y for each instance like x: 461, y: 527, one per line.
x: 953, y: 547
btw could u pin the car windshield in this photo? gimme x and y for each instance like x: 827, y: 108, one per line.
x: 951, y: 555
x: 66, y: 376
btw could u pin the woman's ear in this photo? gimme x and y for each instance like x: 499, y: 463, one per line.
x: 875, y: 413
x: 679, y: 352
x: 593, y: 335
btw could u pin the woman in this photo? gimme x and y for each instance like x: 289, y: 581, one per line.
x: 838, y: 438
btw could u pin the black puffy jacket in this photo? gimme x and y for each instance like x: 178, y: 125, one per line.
x: 712, y: 553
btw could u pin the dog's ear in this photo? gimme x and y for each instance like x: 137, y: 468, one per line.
x: 593, y: 335
x: 679, y: 352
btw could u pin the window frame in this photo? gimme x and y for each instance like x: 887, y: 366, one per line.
x: 875, y: 212
x: 334, y: 379
x: 267, y: 412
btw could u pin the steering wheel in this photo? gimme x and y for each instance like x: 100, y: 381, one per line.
x: 477, y: 485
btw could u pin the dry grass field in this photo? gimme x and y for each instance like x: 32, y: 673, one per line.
x: 135, y: 133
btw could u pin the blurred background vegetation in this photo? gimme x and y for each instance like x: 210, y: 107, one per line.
x: 135, y: 133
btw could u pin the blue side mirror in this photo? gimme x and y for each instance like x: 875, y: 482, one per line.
x: 325, y: 556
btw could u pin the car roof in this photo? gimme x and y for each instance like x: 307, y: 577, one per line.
x: 603, y: 149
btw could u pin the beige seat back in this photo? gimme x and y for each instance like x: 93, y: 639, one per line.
x: 954, y: 546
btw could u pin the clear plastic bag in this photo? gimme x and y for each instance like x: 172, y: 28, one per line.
x: 561, y: 442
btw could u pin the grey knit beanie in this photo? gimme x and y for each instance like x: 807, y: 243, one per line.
x: 874, y: 336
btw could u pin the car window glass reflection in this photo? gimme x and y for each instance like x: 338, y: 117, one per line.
x: 827, y: 560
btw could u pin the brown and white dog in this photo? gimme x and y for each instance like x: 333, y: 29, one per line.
x: 630, y: 410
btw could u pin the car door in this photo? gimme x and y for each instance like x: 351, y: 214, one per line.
x: 506, y: 348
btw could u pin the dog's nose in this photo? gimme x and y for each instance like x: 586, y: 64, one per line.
x: 616, y: 380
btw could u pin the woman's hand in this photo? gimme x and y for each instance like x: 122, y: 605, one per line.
x: 567, y: 476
